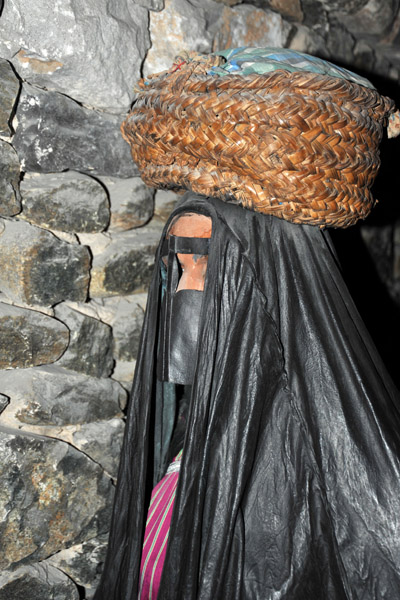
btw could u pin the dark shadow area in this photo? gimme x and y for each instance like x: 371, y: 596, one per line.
x: 379, y: 311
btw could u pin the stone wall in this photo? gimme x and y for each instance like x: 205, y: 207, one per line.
x: 78, y: 230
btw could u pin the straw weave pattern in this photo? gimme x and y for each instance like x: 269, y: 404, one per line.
x: 300, y: 146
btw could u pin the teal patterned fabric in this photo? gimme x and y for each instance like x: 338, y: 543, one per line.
x: 243, y: 61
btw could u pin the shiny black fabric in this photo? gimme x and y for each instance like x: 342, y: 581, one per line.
x: 290, y: 481
x: 180, y: 314
x: 176, y: 359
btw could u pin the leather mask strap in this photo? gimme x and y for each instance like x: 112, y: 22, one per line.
x: 185, y: 245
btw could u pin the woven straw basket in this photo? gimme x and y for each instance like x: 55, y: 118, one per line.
x: 298, y: 145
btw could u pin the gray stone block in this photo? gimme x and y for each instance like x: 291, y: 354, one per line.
x: 70, y: 202
x: 4, y: 401
x: 165, y: 202
x: 8, y: 94
x: 340, y: 43
x: 363, y: 18
x: 101, y: 441
x: 81, y: 562
x: 126, y: 264
x: 364, y: 55
x: 132, y: 202
x: 382, y: 63
x: 233, y: 2
x: 51, y: 496
x: 56, y: 396
x: 156, y: 5
x: 90, y: 347
x: 37, y: 582
x: 55, y: 133
x: 236, y: 27
x: 316, y: 18
x: 125, y: 315
x: 127, y: 322
x: 37, y: 268
x: 91, y: 51
x: 180, y: 26
x: 347, y: 6
x: 29, y: 338
x: 287, y: 8
x: 10, y: 199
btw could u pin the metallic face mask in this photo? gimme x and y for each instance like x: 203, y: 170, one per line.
x: 180, y: 314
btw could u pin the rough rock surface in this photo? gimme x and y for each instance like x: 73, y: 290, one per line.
x: 125, y: 315
x: 286, y: 8
x: 54, y: 133
x: 230, y: 2
x: 4, y: 401
x: 341, y: 43
x: 55, y: 396
x: 126, y: 264
x: 347, y: 6
x: 8, y: 94
x: 165, y: 202
x: 92, y: 51
x: 182, y: 25
x: 101, y: 441
x: 132, y: 202
x: 51, y: 496
x: 65, y: 201
x: 245, y: 25
x: 303, y: 40
x: 90, y: 347
x: 37, y: 268
x: 9, y: 181
x: 127, y: 327
x: 46, y: 310
x: 315, y: 16
x: 368, y: 18
x: 81, y: 562
x: 37, y: 582
x: 150, y: 4
x: 29, y: 338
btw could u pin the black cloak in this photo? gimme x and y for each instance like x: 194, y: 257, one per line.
x: 290, y: 480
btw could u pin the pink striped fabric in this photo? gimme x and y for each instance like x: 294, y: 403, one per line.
x: 157, y: 530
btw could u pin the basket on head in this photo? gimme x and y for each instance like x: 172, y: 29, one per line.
x: 300, y: 143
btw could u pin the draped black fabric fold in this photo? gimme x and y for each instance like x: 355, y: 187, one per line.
x: 290, y: 479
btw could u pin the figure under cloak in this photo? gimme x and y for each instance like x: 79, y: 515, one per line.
x: 289, y: 485
x: 290, y: 478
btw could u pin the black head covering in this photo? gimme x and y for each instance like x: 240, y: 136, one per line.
x: 290, y: 480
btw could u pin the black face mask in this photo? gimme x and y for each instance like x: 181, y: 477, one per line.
x: 180, y: 315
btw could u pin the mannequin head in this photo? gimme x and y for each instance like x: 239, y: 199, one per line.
x: 193, y: 266
x: 185, y: 257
